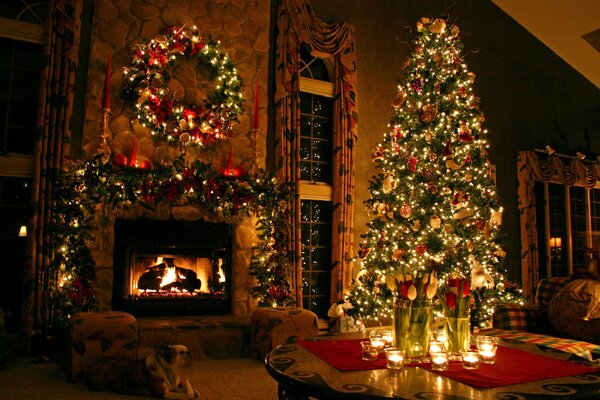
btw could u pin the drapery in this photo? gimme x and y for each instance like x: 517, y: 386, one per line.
x: 531, y: 167
x: 51, y: 149
x: 298, y: 25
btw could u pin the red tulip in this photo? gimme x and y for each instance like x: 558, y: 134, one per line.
x: 451, y: 300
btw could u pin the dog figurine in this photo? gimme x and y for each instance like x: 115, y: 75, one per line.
x: 159, y: 375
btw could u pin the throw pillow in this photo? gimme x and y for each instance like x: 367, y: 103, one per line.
x: 575, y: 310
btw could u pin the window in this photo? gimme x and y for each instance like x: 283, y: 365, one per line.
x: 568, y: 222
x: 22, y: 43
x: 316, y: 131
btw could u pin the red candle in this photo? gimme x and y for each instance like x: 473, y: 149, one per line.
x: 132, y: 156
x: 106, y: 98
x: 255, y: 124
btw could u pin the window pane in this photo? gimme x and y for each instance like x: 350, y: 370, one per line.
x: 578, y: 226
x: 305, y: 103
x: 305, y: 152
x: 316, y: 132
x: 558, y: 228
x: 305, y: 171
x: 322, y: 106
x: 321, y: 172
x: 322, y: 128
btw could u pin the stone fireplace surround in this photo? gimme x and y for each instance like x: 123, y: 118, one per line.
x: 214, y: 336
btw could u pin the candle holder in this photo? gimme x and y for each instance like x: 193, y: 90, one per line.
x: 487, y: 347
x: 436, y: 346
x: 378, y: 342
x: 439, y: 360
x: 470, y: 360
x: 394, y: 358
x: 369, y: 351
x: 388, y: 337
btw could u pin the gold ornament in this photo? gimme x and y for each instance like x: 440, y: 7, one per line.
x: 422, y: 24
x: 454, y: 31
x: 470, y: 246
x: 184, y: 137
x: 437, y: 57
x: 448, y: 228
x: 468, y: 177
x: 399, y: 99
x: 398, y: 254
x: 435, y: 222
x: 416, y: 227
x: 438, y: 26
x: 388, y: 184
x: 428, y: 135
x: 450, y: 163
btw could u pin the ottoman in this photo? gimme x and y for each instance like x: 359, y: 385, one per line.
x: 95, y: 335
x: 272, y: 326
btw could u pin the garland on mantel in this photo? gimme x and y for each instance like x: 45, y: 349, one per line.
x: 90, y: 183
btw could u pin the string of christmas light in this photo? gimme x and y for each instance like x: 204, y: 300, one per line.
x: 145, y: 85
x: 433, y: 201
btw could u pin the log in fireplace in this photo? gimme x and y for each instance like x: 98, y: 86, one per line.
x: 172, y: 268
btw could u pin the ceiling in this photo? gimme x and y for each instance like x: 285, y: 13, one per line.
x: 570, y: 28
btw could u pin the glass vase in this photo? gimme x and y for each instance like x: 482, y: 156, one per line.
x: 412, y: 327
x: 458, y: 330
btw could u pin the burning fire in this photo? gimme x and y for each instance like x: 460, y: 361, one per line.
x: 170, y: 277
x: 221, y: 273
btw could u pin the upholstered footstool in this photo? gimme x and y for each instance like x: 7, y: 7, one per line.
x: 273, y: 326
x: 100, y: 334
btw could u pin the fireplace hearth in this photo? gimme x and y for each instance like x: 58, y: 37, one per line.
x: 172, y: 268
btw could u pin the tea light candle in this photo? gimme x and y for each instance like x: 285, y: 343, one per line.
x: 487, y: 349
x: 369, y: 352
x: 394, y: 358
x: 435, y: 346
x: 470, y: 360
x: 378, y: 342
x: 388, y: 337
x: 439, y: 360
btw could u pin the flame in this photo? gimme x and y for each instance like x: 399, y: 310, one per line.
x: 169, y: 277
x: 221, y: 273
x: 159, y: 260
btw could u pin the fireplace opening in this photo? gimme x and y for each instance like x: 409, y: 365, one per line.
x: 171, y: 267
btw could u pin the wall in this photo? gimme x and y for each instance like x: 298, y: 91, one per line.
x: 529, y: 95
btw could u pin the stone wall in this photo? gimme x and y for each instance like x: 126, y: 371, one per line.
x: 242, y: 28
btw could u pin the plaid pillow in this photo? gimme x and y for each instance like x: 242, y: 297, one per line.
x: 520, y: 318
x: 548, y: 288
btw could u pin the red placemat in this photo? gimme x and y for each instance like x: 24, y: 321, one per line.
x: 513, y: 367
x: 345, y: 355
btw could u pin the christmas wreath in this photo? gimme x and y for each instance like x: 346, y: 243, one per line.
x: 145, y: 84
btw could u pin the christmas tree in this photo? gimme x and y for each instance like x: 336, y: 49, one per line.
x: 434, y: 208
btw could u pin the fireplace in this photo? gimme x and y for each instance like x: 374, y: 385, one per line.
x: 171, y: 268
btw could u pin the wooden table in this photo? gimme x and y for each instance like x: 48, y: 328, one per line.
x: 302, y: 375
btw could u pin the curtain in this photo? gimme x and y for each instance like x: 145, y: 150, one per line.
x: 531, y: 167
x: 51, y: 149
x: 298, y: 25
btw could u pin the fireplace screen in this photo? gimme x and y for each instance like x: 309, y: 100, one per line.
x: 172, y: 267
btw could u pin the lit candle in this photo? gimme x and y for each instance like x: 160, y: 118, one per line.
x: 255, y: 122
x: 106, y: 98
x: 470, y: 360
x: 378, y: 342
x: 394, y: 358
x: 369, y: 352
x: 487, y: 347
x: 388, y: 337
x: 439, y: 361
x: 435, y: 346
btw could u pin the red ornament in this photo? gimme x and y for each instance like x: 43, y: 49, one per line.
x: 421, y: 249
x: 412, y: 164
x: 120, y: 160
x: 145, y: 164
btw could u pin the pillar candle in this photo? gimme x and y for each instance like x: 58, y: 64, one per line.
x: 255, y: 124
x: 106, y: 98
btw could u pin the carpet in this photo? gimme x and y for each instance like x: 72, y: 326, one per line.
x: 225, y: 379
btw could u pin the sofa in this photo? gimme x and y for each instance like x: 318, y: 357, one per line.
x: 564, y: 318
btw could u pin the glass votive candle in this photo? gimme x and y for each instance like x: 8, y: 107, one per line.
x: 440, y: 336
x: 435, y: 346
x: 388, y: 337
x: 369, y: 352
x: 378, y: 342
x: 394, y: 358
x: 439, y: 360
x: 487, y: 346
x: 470, y: 360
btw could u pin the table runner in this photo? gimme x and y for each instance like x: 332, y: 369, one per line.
x: 512, y: 366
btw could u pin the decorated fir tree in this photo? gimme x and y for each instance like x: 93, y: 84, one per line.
x: 434, y: 208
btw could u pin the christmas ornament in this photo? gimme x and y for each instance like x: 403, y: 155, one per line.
x: 388, y: 184
x: 405, y: 210
x: 435, y: 222
x: 427, y: 135
x: 417, y: 84
x: 449, y: 157
x: 422, y: 24
x: 412, y: 164
x: 144, y: 164
x: 496, y: 217
x: 399, y: 99
x: 398, y: 254
x: 120, y: 160
x: 454, y: 31
x: 438, y: 26
x: 146, y: 81
x: 470, y: 246
x: 464, y: 134
x: 416, y: 226
x: 421, y: 249
x: 377, y: 154
x: 428, y: 113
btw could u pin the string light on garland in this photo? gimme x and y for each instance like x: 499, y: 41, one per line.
x: 145, y: 84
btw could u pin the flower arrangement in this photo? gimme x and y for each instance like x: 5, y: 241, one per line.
x: 455, y: 298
